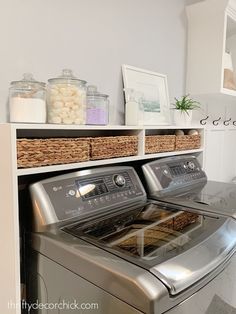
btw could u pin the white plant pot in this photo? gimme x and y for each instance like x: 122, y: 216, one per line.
x: 182, y: 118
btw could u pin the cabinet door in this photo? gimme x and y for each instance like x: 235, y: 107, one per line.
x: 220, y: 155
x: 214, y: 154
x: 228, y: 163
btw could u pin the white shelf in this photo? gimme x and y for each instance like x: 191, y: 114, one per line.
x: 29, y: 126
x: 46, y: 126
x: 174, y: 153
x: 85, y: 164
x: 85, y: 130
x: 139, y: 130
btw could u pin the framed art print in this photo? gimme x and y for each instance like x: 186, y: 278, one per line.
x: 154, y: 90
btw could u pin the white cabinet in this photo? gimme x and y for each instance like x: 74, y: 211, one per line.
x: 11, y: 176
x: 211, y: 33
x: 220, y: 154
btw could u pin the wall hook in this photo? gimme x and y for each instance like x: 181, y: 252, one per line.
x: 203, y: 121
x: 216, y: 122
x: 226, y: 122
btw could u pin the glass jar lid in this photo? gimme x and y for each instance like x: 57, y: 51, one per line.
x: 93, y: 92
x: 104, y: 95
x: 67, y: 77
x: 27, y: 83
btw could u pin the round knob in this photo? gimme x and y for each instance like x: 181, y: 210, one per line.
x: 119, y: 180
x: 191, y: 165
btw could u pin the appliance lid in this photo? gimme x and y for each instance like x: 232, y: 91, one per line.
x: 178, y: 247
x: 193, y: 265
x: 212, y: 196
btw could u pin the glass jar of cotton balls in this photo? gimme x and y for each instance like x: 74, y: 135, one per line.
x: 66, y: 99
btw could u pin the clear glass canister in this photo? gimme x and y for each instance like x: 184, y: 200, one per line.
x: 97, y: 107
x: 66, y: 99
x: 27, y: 100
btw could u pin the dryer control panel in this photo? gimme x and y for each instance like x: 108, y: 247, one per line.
x: 85, y: 193
x: 170, y: 174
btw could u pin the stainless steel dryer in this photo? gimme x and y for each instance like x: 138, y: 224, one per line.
x: 99, y: 243
x: 181, y: 181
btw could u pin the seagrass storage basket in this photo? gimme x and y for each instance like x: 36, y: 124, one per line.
x: 186, y: 142
x: 51, y: 151
x: 113, y: 146
x: 159, y: 143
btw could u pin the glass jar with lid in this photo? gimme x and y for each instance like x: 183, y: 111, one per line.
x: 27, y: 100
x: 97, y: 107
x: 66, y: 99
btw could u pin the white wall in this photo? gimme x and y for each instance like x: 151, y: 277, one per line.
x: 92, y: 37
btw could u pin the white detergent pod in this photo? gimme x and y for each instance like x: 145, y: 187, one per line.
x: 193, y: 132
x: 179, y: 132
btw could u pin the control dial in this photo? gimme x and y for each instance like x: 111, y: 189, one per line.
x: 191, y: 165
x: 119, y: 180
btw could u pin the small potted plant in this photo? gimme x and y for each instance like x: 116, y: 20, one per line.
x: 183, y: 108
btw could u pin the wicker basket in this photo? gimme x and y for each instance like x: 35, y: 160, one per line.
x: 113, y: 146
x: 159, y: 143
x: 51, y: 151
x: 185, y: 142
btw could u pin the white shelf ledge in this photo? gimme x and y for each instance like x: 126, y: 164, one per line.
x: 45, y: 169
x: 29, y: 126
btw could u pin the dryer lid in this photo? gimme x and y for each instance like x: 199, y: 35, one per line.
x: 178, y: 247
x: 212, y: 196
x: 186, y: 269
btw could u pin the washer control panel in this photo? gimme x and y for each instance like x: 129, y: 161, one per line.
x: 84, y: 192
x: 168, y: 174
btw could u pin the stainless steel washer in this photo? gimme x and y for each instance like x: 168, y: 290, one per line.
x: 98, y: 240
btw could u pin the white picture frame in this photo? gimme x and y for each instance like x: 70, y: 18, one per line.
x: 154, y: 89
